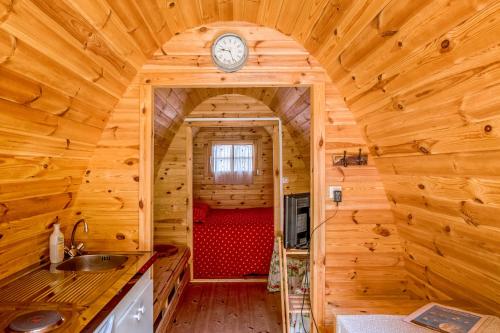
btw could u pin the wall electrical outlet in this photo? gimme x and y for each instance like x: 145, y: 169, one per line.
x: 335, y: 193
x: 285, y: 180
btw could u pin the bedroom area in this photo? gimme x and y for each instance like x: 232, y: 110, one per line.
x: 233, y: 227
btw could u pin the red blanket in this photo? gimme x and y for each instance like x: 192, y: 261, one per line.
x: 233, y: 243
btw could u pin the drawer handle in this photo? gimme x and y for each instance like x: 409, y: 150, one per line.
x: 140, y: 312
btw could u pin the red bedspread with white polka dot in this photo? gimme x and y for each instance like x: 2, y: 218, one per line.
x: 233, y: 243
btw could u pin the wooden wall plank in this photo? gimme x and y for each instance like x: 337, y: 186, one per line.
x: 26, y: 60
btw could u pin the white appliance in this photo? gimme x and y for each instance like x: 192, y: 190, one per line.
x: 376, y: 324
x: 134, y: 313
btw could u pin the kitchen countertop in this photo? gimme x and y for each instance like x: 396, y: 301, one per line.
x: 44, y: 288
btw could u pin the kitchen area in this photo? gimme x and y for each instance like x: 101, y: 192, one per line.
x: 102, y: 292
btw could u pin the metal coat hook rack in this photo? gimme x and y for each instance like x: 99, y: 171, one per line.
x: 347, y: 159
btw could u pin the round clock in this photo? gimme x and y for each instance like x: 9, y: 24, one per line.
x: 229, y: 52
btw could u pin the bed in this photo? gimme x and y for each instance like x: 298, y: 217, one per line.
x: 233, y: 243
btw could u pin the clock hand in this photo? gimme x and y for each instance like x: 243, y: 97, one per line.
x: 231, y: 53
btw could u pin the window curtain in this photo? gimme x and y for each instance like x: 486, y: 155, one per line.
x: 222, y: 160
x: 243, y: 164
x: 232, y: 164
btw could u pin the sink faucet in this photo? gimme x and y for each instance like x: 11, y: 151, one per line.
x: 75, y: 250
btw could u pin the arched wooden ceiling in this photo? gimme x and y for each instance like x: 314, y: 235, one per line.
x: 172, y: 105
x: 421, y: 77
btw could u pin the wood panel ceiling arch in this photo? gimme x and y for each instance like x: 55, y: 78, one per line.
x: 421, y: 77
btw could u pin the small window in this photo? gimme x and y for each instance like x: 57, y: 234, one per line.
x: 232, y: 163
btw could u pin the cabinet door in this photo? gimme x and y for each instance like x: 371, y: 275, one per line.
x: 138, y: 318
x: 107, y: 325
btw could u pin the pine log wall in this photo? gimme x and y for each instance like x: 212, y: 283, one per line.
x: 364, y: 259
x: 260, y: 192
x: 225, y: 196
x: 169, y: 113
x: 171, y: 194
x: 420, y: 77
x: 295, y: 163
x: 108, y: 195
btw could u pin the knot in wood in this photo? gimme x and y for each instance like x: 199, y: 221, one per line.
x: 424, y: 150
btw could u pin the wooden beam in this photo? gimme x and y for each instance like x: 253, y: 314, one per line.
x: 229, y: 123
x: 276, y: 181
x: 146, y: 168
x: 317, y: 247
x: 240, y: 79
x: 189, y: 187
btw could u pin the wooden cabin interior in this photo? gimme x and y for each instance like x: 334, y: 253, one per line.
x: 250, y: 166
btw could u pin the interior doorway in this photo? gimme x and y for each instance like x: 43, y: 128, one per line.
x: 237, y: 203
x: 179, y: 233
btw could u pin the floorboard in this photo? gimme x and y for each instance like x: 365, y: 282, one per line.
x: 227, y: 308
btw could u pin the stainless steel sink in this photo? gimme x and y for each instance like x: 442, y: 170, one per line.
x: 93, y: 263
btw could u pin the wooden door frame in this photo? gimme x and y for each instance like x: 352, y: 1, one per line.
x: 318, y: 196
x: 146, y: 156
x: 317, y: 168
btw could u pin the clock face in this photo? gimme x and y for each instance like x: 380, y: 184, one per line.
x: 229, y: 52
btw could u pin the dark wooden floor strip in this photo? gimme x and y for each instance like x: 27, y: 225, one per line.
x: 227, y: 308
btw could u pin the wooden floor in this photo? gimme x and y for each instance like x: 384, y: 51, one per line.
x: 227, y: 308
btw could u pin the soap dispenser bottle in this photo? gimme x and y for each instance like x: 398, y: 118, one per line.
x: 56, y: 245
